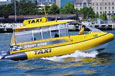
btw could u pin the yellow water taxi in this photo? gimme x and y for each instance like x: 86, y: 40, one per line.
x: 39, y: 38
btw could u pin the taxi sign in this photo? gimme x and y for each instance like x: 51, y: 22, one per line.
x: 35, y: 21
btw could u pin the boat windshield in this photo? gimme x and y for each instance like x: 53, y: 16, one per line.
x: 28, y: 35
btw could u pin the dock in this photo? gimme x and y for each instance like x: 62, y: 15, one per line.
x: 8, y: 27
x: 78, y: 26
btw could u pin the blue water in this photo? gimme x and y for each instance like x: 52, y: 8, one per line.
x: 102, y: 65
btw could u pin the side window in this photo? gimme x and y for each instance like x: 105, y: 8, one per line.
x: 54, y: 31
x: 37, y: 34
x: 23, y: 36
x: 63, y: 30
x: 46, y: 33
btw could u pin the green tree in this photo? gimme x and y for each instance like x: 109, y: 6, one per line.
x: 103, y: 16
x: 112, y: 16
x: 77, y: 11
x: 47, y: 7
x: 84, y: 11
x: 69, y: 8
x: 24, y: 7
x: 97, y: 15
x: 88, y: 12
x: 2, y: 10
x: 54, y: 9
x: 61, y: 11
x: 91, y: 13
x: 27, y: 8
x: 6, y: 10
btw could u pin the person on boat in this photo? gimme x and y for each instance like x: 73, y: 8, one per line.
x: 56, y: 35
x: 33, y: 39
x: 81, y: 32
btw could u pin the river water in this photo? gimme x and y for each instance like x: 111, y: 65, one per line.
x: 94, y: 63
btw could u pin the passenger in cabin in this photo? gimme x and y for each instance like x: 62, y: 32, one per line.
x: 34, y: 38
x: 56, y: 35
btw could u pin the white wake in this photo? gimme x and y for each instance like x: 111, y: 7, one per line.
x: 77, y: 54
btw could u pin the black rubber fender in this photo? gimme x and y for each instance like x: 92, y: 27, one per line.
x: 16, y: 57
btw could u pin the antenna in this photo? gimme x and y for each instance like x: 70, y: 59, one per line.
x: 45, y: 13
x: 15, y: 10
x: 56, y: 18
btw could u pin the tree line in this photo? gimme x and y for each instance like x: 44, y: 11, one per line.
x: 28, y: 8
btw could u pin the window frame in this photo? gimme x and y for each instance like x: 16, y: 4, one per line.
x: 34, y: 31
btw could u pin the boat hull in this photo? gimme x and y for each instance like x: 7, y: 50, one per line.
x: 62, y: 50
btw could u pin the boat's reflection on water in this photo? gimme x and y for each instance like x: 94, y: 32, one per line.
x: 78, y: 63
x: 86, y: 65
x: 68, y: 65
x: 105, y: 54
x: 101, y: 59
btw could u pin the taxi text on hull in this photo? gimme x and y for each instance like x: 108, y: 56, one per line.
x: 39, y: 38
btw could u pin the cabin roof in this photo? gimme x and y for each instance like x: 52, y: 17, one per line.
x: 49, y: 23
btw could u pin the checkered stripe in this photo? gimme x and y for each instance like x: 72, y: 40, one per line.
x: 14, y: 48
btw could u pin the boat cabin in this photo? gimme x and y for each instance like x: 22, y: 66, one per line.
x: 42, y: 34
x: 27, y: 35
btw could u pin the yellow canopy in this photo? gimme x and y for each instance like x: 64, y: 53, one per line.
x: 49, y: 23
